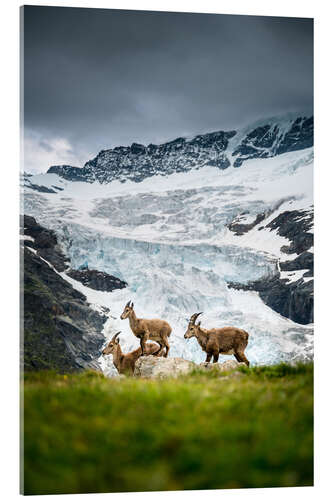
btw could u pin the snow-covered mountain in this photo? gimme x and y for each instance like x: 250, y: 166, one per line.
x: 188, y: 235
x: 217, y: 149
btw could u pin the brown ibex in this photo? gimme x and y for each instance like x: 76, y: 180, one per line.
x: 227, y: 340
x: 152, y: 329
x: 125, y: 363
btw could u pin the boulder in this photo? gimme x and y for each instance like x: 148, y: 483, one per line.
x: 155, y: 367
x: 231, y: 364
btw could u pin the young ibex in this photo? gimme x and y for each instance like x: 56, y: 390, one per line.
x: 125, y: 363
x: 227, y: 340
x: 152, y: 329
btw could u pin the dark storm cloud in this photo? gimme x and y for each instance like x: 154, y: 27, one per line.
x: 100, y: 78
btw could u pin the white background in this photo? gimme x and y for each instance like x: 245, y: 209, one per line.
x: 9, y: 263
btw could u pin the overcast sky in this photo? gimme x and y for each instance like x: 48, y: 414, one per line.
x: 95, y: 78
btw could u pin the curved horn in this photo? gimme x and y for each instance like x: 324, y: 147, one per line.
x: 115, y: 336
x: 194, y: 317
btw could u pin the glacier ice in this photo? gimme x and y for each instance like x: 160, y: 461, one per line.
x: 168, y: 239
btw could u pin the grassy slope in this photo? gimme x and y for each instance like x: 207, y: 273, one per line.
x: 85, y: 433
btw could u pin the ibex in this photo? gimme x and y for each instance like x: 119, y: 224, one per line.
x: 152, y: 329
x: 227, y: 340
x: 125, y: 363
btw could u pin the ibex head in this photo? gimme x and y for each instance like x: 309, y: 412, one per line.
x: 192, y: 327
x: 127, y: 310
x: 111, y: 345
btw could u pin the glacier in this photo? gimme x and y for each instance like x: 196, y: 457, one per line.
x: 168, y: 238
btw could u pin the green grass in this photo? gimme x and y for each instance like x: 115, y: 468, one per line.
x: 84, y: 433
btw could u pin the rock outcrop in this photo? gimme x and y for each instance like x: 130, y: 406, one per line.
x: 155, y: 367
x: 97, y: 280
x: 239, y: 228
x: 296, y: 226
x: 226, y: 366
x: 293, y: 300
x: 44, y: 242
x: 290, y: 291
x: 269, y: 140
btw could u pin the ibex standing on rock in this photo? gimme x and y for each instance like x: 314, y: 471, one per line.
x: 125, y: 363
x: 152, y: 329
x: 227, y: 340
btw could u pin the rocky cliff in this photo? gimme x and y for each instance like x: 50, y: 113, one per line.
x: 220, y: 149
x: 61, y: 331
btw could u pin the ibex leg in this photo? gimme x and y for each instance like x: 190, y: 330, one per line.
x: 242, y: 358
x: 239, y: 359
x: 208, y: 357
x: 143, y: 341
x: 216, y: 358
x: 167, y: 348
x: 159, y: 351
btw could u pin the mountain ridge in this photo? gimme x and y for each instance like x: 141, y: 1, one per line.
x: 221, y: 149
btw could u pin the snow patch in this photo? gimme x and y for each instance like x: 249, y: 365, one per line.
x: 293, y: 276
